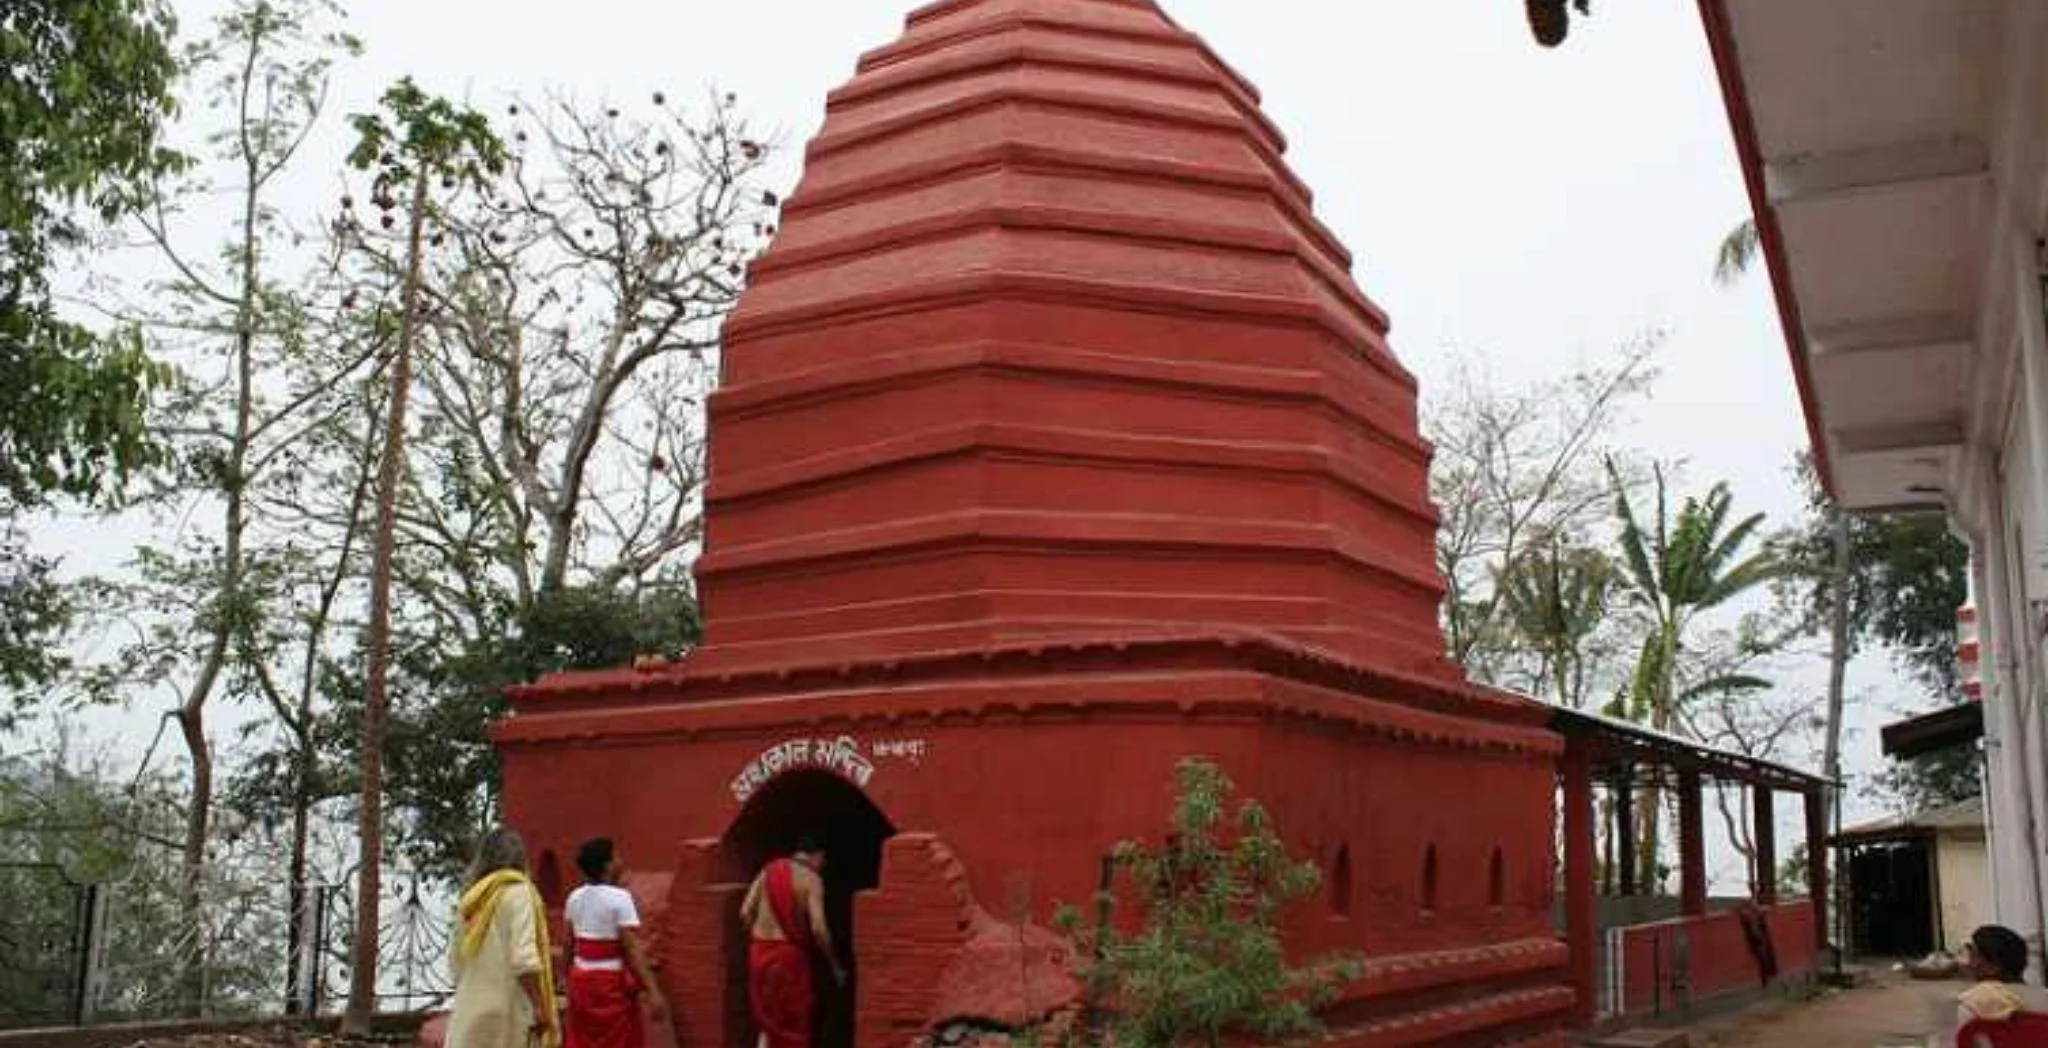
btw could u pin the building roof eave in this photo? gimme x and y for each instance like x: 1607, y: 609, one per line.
x: 1721, y: 44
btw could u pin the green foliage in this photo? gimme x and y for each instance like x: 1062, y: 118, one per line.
x: 35, y: 610
x: 1208, y: 962
x: 1673, y: 570
x: 1556, y: 598
x: 1737, y: 252
x: 1793, y: 871
x: 425, y: 134
x: 1908, y: 573
x: 84, y: 88
x: 441, y: 779
x: 1935, y: 780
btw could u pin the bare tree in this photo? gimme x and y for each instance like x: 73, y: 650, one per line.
x: 1517, y: 469
x: 578, y: 339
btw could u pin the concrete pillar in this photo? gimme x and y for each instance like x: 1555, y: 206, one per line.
x: 1817, y: 862
x: 2023, y: 634
x: 1765, y: 836
x: 1581, y: 921
x: 1692, y: 846
x: 2011, y: 804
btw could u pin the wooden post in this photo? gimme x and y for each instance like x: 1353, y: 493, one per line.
x: 1765, y: 834
x: 1580, y: 905
x: 1625, y: 822
x: 1692, y: 846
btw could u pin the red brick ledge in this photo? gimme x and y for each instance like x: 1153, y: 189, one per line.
x: 694, y: 698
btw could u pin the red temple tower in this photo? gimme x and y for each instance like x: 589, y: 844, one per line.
x: 1056, y: 443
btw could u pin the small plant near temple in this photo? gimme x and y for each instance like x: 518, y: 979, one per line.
x: 1207, y: 963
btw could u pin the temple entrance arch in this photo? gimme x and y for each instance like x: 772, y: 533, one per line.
x: 786, y: 808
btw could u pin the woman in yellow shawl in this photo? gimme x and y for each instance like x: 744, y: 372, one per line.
x: 504, y: 990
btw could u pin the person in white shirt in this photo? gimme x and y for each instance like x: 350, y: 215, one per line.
x: 608, y: 972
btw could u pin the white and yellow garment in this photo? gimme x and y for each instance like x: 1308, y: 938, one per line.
x: 501, y: 934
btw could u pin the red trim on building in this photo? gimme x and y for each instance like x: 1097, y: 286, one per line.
x: 1728, y: 66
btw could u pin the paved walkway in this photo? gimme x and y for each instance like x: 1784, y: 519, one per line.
x: 1891, y: 1010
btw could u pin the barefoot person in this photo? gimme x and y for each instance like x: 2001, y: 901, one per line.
x: 504, y: 991
x: 608, y: 972
x: 785, y: 914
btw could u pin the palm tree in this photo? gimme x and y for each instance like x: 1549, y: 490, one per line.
x: 1737, y: 254
x: 1555, y: 597
x: 1682, y: 566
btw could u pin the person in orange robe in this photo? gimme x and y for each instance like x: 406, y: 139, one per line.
x: 785, y: 914
x: 608, y: 972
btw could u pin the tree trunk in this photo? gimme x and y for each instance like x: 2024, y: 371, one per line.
x: 228, y: 613
x: 362, y: 993
x: 192, y: 727
x: 302, y: 803
x: 1661, y: 719
x: 1838, y: 668
x: 1838, y: 645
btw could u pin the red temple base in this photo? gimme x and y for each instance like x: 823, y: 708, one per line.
x: 957, y: 791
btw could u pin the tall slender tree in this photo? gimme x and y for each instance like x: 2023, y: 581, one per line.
x: 232, y: 314
x: 418, y: 142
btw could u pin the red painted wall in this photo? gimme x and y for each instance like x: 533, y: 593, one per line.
x: 1720, y: 961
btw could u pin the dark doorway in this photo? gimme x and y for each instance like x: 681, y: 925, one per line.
x: 854, y: 830
x: 1891, y: 898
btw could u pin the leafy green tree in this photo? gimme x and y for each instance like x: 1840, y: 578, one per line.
x: 1208, y: 963
x: 441, y: 770
x: 85, y: 87
x: 84, y: 90
x: 1675, y: 569
x: 1517, y: 469
x: 1906, y: 574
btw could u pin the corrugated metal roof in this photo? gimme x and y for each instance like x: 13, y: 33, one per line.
x: 1637, y: 742
x: 1962, y: 815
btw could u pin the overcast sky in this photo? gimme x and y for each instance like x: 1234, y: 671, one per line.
x: 1537, y: 207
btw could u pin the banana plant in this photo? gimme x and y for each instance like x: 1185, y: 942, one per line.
x: 1674, y: 569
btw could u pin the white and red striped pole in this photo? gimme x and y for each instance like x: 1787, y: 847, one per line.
x: 1968, y: 653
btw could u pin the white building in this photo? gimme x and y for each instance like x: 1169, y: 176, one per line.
x: 1897, y: 157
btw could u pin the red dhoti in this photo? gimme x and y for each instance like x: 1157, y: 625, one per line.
x: 604, y: 1003
x: 779, y: 988
x: 779, y: 985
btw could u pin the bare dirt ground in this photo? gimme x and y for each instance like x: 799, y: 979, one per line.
x: 1891, y: 1011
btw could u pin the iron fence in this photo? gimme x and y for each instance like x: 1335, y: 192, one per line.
x: 75, y: 953
x: 46, y: 927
